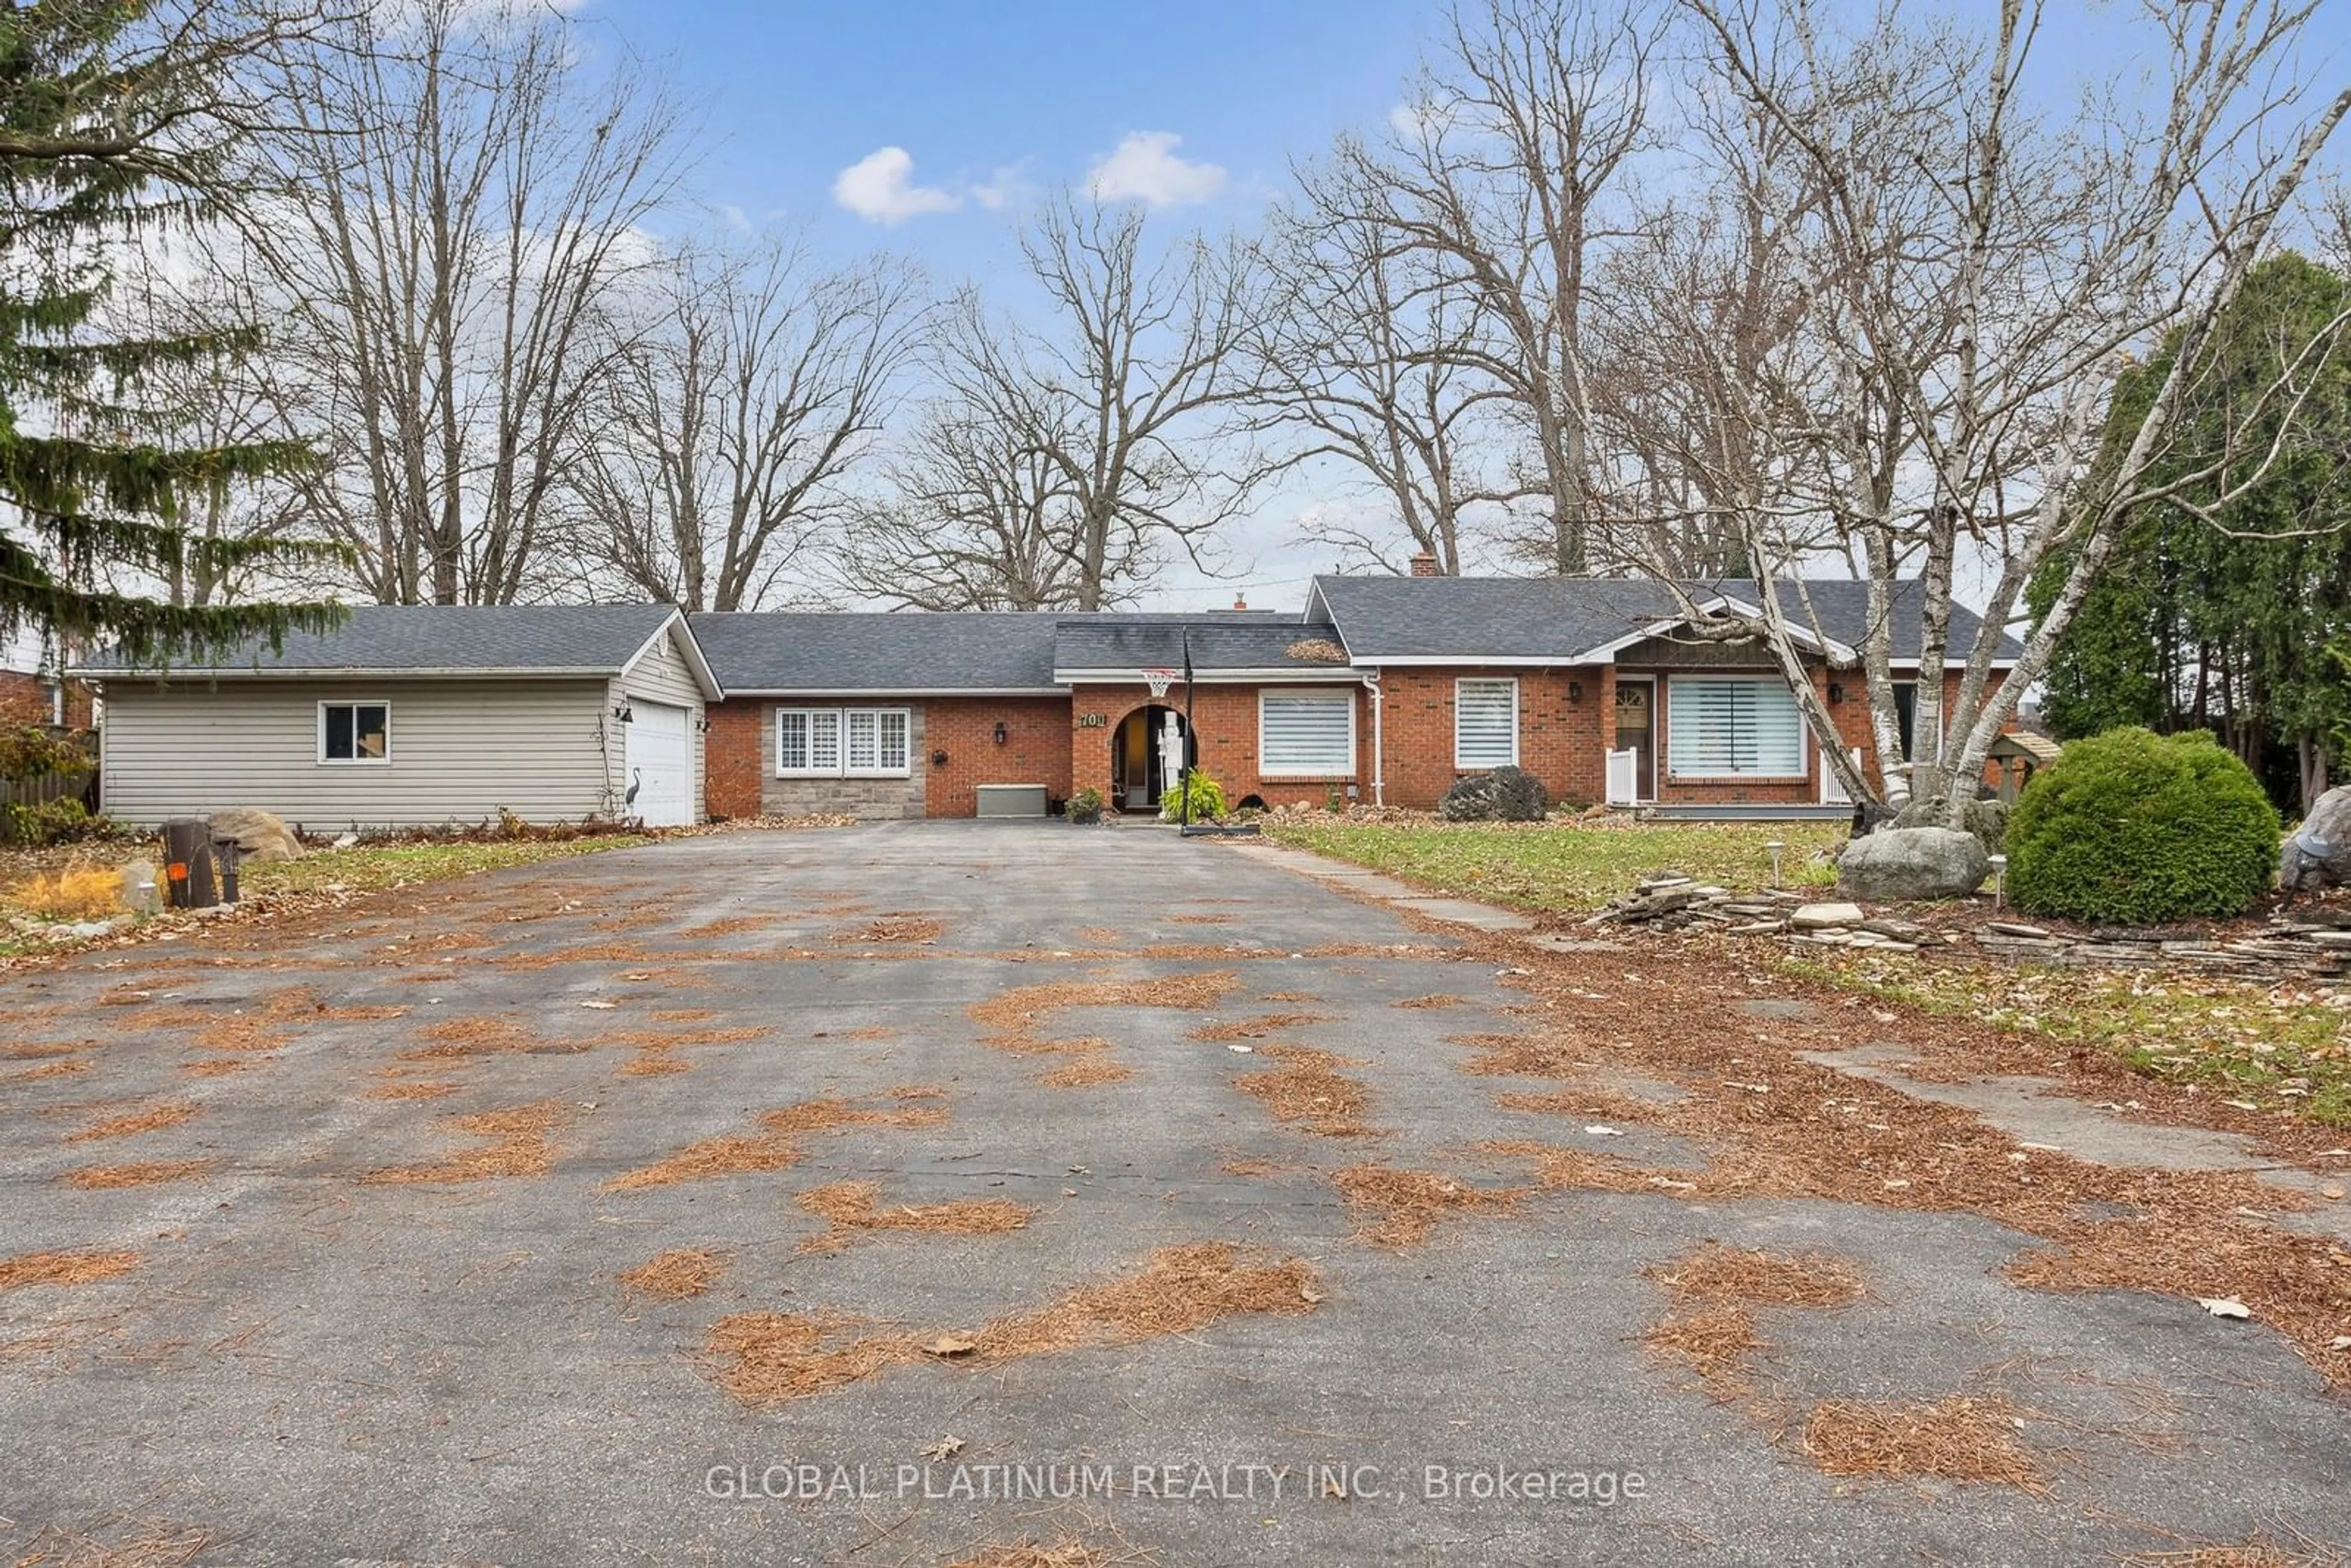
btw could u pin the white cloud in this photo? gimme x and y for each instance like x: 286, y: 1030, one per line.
x: 1009, y: 186
x: 880, y: 188
x: 1145, y: 168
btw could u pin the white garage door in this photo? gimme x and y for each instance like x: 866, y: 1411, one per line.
x: 661, y: 765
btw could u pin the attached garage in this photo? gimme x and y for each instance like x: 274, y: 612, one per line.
x: 661, y: 765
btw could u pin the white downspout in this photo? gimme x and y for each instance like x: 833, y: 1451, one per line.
x: 1379, y: 738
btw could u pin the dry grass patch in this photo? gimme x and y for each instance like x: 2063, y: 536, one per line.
x: 139, y: 1173
x: 147, y: 1546
x: 41, y: 1052
x: 1435, y: 1000
x: 1958, y: 1438
x: 464, y: 1037
x: 733, y: 926
x: 1561, y: 1169
x: 849, y: 1207
x: 1257, y: 1028
x: 1289, y: 996
x: 776, y: 1146
x: 46, y: 1070
x: 1013, y: 1020
x: 1305, y: 1086
x: 769, y: 1358
x: 64, y: 1268
x: 217, y: 1066
x: 1715, y: 1342
x: 674, y: 1275
x: 1398, y: 1208
x: 73, y: 893
x: 1087, y: 1072
x: 1716, y: 1274
x: 521, y: 1143
x: 903, y: 928
x: 1029, y: 1553
x: 684, y: 1015
x: 130, y: 1124
x: 411, y: 1091
x: 2257, y: 1553
x: 1202, y: 919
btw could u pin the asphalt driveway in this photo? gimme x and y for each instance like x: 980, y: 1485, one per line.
x: 365, y: 1304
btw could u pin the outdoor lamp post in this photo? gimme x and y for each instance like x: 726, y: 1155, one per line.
x: 1999, y: 879
x: 1775, y: 846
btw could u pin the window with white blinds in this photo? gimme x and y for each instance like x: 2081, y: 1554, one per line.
x: 1306, y: 735
x: 1485, y: 724
x: 1725, y: 727
x: 837, y: 743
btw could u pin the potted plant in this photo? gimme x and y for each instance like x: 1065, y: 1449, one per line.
x: 1086, y: 807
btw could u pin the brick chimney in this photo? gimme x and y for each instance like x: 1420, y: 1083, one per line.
x: 1425, y: 565
x: 1240, y: 601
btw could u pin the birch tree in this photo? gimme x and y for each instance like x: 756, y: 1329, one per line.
x: 1976, y: 275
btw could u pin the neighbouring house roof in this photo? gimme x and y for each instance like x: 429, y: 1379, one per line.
x: 459, y: 642
x: 977, y: 652
x: 1583, y: 620
x: 1100, y: 646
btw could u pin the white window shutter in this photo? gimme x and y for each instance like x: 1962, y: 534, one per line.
x: 1485, y: 724
x: 1306, y: 735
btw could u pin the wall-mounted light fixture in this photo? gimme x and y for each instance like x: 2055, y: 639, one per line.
x: 626, y: 714
x: 1002, y: 734
x: 938, y: 759
x: 1575, y: 691
x: 703, y: 724
x: 1837, y: 691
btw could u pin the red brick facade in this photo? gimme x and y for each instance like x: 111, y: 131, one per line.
x: 1035, y: 749
x: 29, y: 699
x: 1567, y: 725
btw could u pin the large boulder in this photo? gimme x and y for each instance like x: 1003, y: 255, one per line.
x: 1903, y: 865
x: 1504, y: 795
x: 260, y: 837
x: 1987, y: 819
x: 2319, y: 853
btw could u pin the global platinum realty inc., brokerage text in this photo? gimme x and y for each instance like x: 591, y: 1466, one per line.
x: 1263, y: 1482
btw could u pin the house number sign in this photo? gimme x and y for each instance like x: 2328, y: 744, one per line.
x: 1091, y: 721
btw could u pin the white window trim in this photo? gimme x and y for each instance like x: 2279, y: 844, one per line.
x: 1264, y: 772
x: 840, y: 768
x: 354, y: 761
x: 1803, y: 772
x: 1460, y: 680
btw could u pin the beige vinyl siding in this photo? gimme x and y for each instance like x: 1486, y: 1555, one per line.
x: 460, y: 751
x: 660, y: 675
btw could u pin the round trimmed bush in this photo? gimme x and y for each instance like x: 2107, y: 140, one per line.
x: 2132, y: 828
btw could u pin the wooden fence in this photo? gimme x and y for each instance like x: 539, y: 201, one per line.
x: 44, y: 788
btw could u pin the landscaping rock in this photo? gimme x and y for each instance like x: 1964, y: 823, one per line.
x: 1903, y: 865
x: 2318, y: 856
x: 1985, y: 821
x: 1504, y: 795
x: 260, y: 837
x: 1823, y: 916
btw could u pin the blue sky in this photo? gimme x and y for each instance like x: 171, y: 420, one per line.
x: 982, y: 101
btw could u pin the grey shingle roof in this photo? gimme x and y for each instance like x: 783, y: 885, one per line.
x: 1554, y: 618
x: 1218, y: 642
x: 427, y: 638
x: 911, y: 651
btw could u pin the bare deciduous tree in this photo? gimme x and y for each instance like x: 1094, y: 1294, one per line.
x: 1501, y: 174
x: 1363, y: 355
x: 453, y: 222
x: 1126, y: 388
x: 726, y: 430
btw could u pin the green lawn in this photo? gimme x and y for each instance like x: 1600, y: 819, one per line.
x: 1568, y: 867
x: 2273, y: 1047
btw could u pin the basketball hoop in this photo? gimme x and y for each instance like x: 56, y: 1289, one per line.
x: 1160, y: 680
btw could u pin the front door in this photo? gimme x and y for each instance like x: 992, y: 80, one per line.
x: 1637, y: 730
x: 1146, y: 756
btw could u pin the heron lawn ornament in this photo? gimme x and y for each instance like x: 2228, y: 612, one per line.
x: 636, y: 782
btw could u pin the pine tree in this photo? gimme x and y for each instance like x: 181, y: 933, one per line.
x: 111, y: 124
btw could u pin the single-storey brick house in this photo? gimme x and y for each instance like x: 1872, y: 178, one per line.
x: 1380, y: 689
x: 1383, y: 689
x: 418, y: 716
